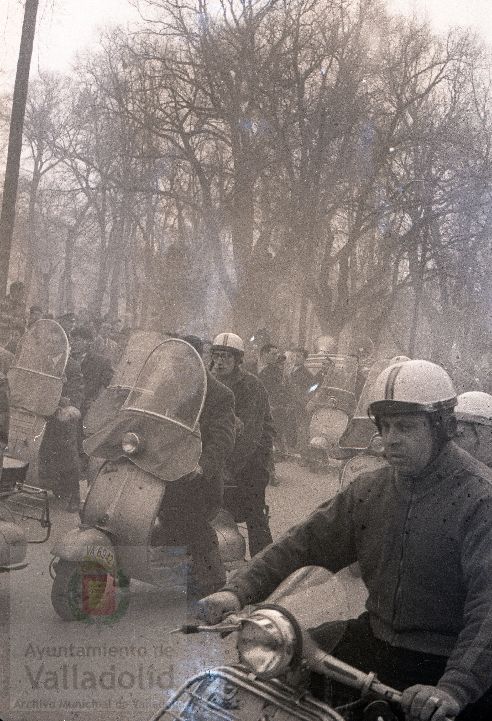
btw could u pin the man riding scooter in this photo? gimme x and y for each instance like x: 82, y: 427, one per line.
x: 189, y: 504
x: 250, y: 464
x: 421, y: 531
x: 149, y: 507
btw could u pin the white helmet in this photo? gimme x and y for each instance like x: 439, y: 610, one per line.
x: 412, y: 386
x: 228, y: 341
x: 325, y: 344
x: 475, y: 407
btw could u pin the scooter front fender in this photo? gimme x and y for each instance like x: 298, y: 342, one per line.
x: 86, y: 544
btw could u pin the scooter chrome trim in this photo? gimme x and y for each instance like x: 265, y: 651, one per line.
x: 301, y: 707
x: 191, y: 429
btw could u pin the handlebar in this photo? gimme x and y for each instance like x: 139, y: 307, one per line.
x: 317, y: 659
x: 337, y: 670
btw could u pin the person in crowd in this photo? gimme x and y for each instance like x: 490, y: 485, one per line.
x: 17, y: 330
x: 67, y: 322
x: 421, y: 530
x: 96, y: 372
x: 250, y: 464
x: 96, y: 369
x: 301, y: 380
x: 59, y: 462
x: 190, y: 503
x: 35, y: 313
x: 270, y: 371
x: 12, y: 312
x: 474, y: 414
x: 104, y: 344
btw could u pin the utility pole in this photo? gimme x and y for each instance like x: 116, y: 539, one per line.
x: 7, y: 216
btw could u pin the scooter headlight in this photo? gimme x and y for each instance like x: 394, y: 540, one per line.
x: 376, y: 444
x: 268, y: 642
x: 131, y: 444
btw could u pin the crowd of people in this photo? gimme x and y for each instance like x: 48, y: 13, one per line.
x: 420, y: 526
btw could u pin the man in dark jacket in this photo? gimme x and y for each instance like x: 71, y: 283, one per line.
x: 59, y: 461
x: 12, y: 312
x: 250, y: 463
x: 421, y: 530
x: 190, y: 503
x: 96, y: 369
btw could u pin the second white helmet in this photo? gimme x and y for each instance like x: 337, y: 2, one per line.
x: 228, y: 341
x: 475, y: 407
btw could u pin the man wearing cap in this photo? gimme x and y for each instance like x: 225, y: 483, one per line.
x: 250, y: 463
x: 421, y: 530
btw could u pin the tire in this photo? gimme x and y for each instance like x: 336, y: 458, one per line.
x: 86, y: 592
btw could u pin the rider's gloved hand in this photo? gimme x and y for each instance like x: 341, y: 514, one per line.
x: 212, y: 609
x: 421, y: 703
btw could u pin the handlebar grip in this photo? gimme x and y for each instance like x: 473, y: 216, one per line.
x: 344, y: 673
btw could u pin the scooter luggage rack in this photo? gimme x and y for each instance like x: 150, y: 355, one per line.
x: 25, y: 501
x: 243, y: 698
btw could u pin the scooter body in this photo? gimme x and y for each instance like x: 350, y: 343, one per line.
x: 120, y: 514
x: 331, y: 404
x: 35, y: 382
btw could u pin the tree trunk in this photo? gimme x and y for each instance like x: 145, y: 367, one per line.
x: 7, y: 216
x: 31, y: 224
x: 68, y: 271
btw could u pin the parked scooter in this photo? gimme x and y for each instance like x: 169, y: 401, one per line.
x: 276, y: 657
x: 361, y: 440
x: 35, y: 384
x: 13, y: 540
x: 154, y: 439
x: 332, y: 403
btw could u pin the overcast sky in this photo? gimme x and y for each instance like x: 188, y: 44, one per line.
x: 65, y: 26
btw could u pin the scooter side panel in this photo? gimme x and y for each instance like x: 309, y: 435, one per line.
x: 125, y: 501
x: 363, y: 463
